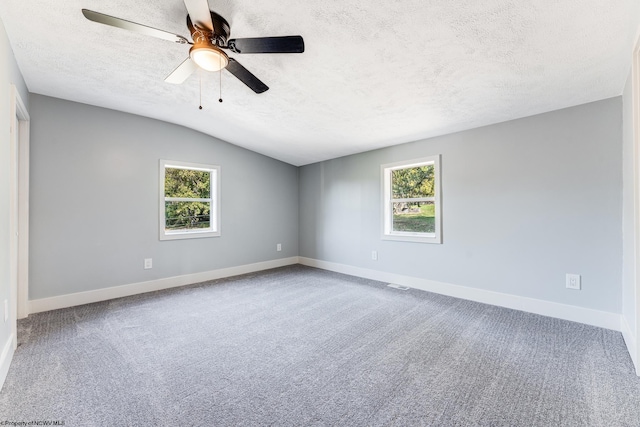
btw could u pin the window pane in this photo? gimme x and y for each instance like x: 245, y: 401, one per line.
x: 413, y: 182
x: 187, y: 215
x: 416, y: 217
x: 187, y: 183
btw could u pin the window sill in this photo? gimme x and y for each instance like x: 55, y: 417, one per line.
x: 189, y: 235
x: 413, y: 237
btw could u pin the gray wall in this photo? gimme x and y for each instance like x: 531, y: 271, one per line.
x: 628, y: 232
x: 9, y: 74
x: 94, y: 200
x: 524, y: 203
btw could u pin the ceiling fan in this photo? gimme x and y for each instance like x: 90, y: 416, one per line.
x: 210, y: 34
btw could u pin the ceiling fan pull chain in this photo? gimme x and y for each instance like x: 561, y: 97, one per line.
x: 220, y: 99
x: 200, y: 74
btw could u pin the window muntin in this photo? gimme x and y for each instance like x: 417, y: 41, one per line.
x: 411, y: 209
x: 189, y: 200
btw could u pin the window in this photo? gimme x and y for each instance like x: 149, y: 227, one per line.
x: 412, y: 200
x: 189, y: 200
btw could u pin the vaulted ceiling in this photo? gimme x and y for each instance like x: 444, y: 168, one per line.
x: 373, y: 74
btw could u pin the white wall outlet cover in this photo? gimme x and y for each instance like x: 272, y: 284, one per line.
x: 279, y: 247
x: 148, y: 263
x: 374, y: 255
x: 573, y: 281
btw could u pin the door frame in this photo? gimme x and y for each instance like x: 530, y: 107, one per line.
x: 634, y: 345
x: 19, y: 141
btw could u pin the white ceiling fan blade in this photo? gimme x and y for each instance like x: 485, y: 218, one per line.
x: 199, y: 13
x: 101, y: 18
x: 181, y: 73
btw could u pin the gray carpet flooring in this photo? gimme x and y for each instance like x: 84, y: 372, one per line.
x: 298, y: 346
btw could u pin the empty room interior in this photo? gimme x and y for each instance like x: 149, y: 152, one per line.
x: 236, y: 213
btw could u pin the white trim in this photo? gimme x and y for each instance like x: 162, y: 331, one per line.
x: 629, y: 339
x: 416, y: 199
x: 14, y: 218
x: 573, y: 313
x: 5, y: 358
x: 87, y: 297
x: 388, y: 200
x: 19, y: 110
x: 214, y: 200
x: 635, y: 96
x: 186, y: 199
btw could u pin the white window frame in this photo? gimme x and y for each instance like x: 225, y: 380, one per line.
x: 214, y: 199
x: 387, y: 201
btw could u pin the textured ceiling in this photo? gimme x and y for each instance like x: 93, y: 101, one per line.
x: 373, y: 74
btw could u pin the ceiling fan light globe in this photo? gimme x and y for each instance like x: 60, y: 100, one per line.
x: 209, y: 58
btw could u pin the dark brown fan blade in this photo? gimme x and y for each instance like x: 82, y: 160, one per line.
x: 246, y: 77
x: 101, y: 18
x: 286, y: 44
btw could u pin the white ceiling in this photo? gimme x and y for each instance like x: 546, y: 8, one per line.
x: 373, y: 74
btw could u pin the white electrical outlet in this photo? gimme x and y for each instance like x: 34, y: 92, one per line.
x: 573, y: 281
x: 279, y: 247
x: 374, y: 255
x: 148, y: 263
x: 6, y: 310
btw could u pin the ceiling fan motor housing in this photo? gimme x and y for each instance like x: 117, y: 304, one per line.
x: 220, y: 34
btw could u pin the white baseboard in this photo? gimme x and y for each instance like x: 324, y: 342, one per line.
x: 5, y: 358
x: 573, y: 313
x: 587, y: 316
x: 630, y: 342
x: 87, y: 297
